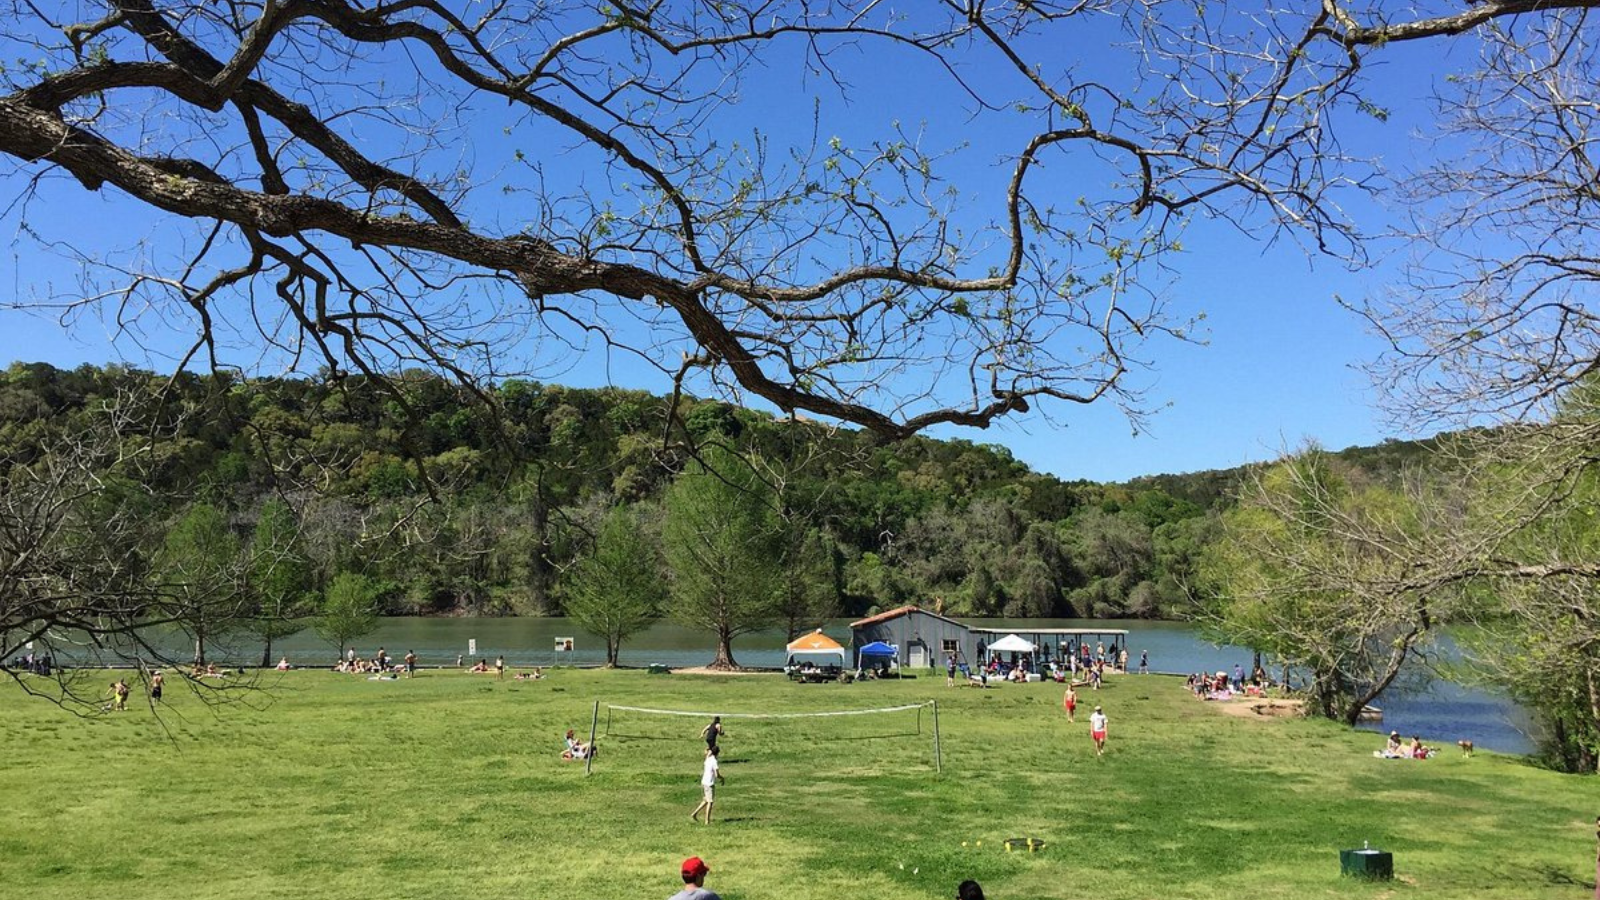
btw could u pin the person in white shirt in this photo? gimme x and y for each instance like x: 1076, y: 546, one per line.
x: 1097, y: 730
x: 708, y: 782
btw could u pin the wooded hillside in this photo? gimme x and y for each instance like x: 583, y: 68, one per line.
x: 454, y: 509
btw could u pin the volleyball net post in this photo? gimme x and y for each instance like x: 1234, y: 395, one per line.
x: 594, y: 722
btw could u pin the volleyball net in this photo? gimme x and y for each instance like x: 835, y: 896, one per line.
x: 774, y: 732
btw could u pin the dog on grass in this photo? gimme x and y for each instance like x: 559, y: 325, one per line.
x: 1466, y: 747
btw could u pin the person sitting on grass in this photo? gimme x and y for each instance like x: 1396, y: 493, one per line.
x: 1417, y: 750
x: 1391, y: 748
x: 479, y: 667
x: 576, y: 749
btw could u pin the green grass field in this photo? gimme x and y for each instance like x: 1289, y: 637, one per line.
x: 451, y: 786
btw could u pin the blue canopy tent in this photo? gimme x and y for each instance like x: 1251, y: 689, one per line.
x: 877, y: 650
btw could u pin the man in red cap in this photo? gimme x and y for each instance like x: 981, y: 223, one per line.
x: 694, y: 881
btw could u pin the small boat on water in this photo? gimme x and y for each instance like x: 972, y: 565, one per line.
x: 1370, y: 714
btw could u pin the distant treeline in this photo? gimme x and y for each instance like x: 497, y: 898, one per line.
x: 457, y: 506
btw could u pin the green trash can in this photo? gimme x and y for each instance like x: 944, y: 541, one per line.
x: 1372, y: 865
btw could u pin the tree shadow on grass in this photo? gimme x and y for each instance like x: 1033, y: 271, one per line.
x: 1553, y: 875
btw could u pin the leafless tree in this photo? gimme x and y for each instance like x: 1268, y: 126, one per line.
x: 366, y: 187
x: 1496, y: 319
x: 78, y: 592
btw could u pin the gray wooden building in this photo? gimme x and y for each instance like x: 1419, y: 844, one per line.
x: 924, y: 638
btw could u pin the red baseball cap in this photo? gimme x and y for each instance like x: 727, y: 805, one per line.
x: 694, y: 867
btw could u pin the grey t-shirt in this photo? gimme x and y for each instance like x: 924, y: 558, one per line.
x: 690, y: 892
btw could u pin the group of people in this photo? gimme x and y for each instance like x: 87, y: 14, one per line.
x: 1098, y: 721
x: 1221, y: 687
x: 1393, y: 748
x: 380, y: 664
x: 694, y: 871
x: 35, y: 664
x: 121, y: 691
x: 710, y: 771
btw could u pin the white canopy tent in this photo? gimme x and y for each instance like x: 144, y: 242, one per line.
x: 1013, y: 644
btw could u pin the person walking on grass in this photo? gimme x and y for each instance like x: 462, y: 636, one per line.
x: 1097, y: 731
x: 500, y: 667
x: 1069, y: 702
x: 694, y: 881
x: 156, y: 681
x: 709, y: 777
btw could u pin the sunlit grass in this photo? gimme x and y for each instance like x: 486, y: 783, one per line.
x: 451, y: 786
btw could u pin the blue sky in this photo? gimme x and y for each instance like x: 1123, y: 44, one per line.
x: 1277, y: 363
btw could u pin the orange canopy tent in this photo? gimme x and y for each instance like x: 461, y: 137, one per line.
x: 817, y: 644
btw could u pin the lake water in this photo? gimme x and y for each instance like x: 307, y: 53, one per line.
x: 1438, y: 710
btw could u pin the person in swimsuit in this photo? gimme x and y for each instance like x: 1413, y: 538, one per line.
x: 1069, y: 702
x: 155, y: 687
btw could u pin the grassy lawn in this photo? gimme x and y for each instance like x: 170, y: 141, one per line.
x: 451, y: 786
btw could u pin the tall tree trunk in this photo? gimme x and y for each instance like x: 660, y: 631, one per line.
x: 1594, y: 732
x: 613, y: 648
x: 266, y: 653
x: 724, y: 659
x: 1397, y: 659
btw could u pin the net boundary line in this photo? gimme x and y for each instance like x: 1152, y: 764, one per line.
x: 808, y: 715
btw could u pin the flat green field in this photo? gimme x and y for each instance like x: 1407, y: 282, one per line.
x: 451, y: 786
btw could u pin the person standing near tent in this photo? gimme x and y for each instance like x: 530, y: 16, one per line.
x: 1097, y: 731
x: 709, y: 777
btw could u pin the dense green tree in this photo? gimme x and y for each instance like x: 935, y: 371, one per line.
x: 618, y: 589
x: 810, y: 590
x: 349, y: 610
x: 724, y: 546
x: 468, y: 514
x: 279, y: 577
x: 1306, y: 576
x: 202, y: 571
